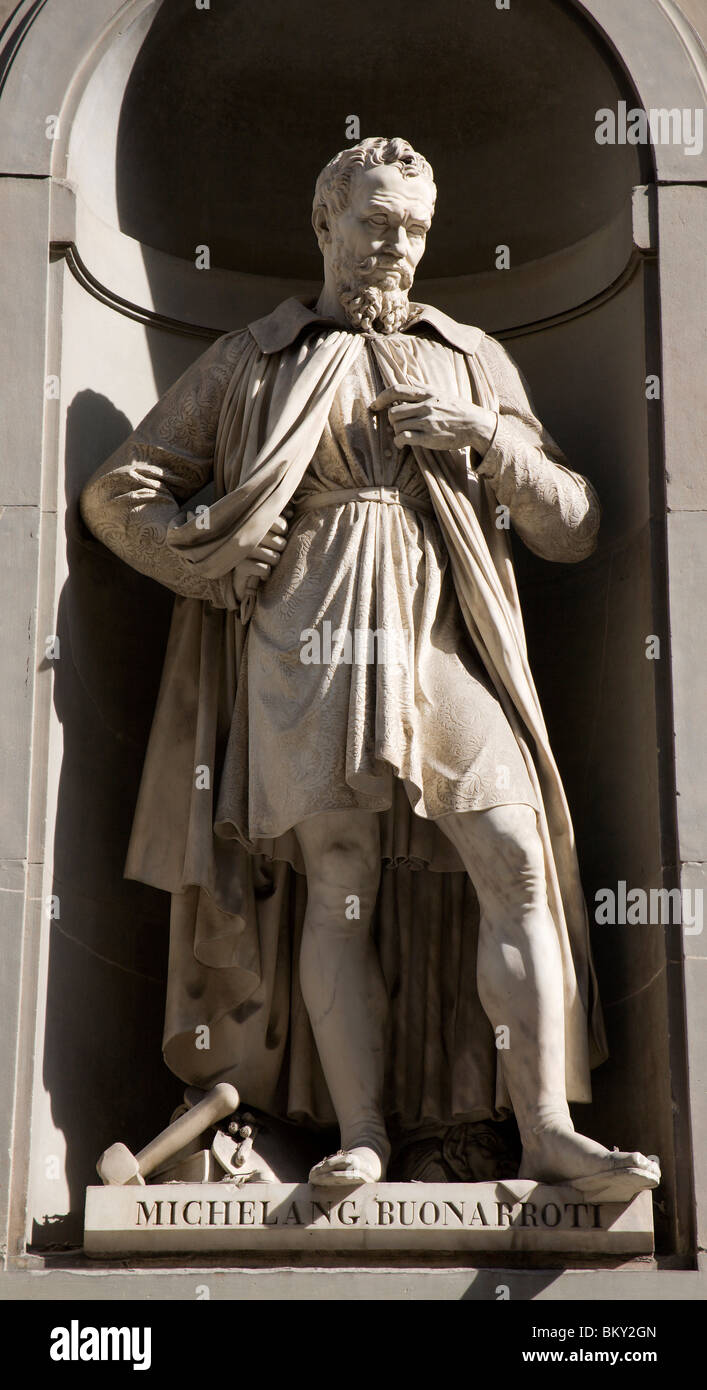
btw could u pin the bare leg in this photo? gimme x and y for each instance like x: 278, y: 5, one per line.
x: 343, y: 987
x: 520, y: 983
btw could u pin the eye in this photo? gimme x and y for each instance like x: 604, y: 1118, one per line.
x: 379, y: 221
x: 418, y: 231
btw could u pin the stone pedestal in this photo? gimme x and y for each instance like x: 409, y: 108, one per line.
x: 172, y: 1218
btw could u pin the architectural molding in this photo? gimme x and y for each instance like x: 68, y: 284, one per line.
x: 151, y: 318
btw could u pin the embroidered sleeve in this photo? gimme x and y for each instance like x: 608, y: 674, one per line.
x: 131, y: 499
x: 555, y: 511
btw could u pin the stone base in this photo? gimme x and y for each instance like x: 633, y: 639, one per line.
x: 175, y: 1218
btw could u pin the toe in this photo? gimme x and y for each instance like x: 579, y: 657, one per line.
x: 335, y: 1163
x: 635, y: 1160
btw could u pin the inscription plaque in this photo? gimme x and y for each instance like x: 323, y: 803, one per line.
x: 514, y: 1216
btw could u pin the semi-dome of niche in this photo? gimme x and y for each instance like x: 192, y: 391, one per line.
x: 229, y: 113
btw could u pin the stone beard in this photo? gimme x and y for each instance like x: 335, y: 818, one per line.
x: 373, y: 299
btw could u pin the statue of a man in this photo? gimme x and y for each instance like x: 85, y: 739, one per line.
x: 346, y: 696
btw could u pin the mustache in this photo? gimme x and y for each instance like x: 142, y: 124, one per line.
x: 384, y: 263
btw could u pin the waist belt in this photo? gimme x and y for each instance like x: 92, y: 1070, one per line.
x: 334, y: 497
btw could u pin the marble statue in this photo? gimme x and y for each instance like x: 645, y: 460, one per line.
x: 377, y: 918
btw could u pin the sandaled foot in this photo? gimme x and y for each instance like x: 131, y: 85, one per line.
x: 348, y: 1168
x: 624, y: 1177
x: 559, y: 1155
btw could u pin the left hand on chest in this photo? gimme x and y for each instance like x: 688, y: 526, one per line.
x: 420, y: 418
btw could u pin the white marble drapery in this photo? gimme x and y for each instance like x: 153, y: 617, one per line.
x: 249, y: 414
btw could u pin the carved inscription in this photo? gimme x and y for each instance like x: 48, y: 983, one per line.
x: 416, y: 1212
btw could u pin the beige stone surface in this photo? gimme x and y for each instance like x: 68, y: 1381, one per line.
x: 101, y: 922
x: 511, y: 1216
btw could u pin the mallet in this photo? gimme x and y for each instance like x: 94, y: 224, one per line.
x: 118, y: 1166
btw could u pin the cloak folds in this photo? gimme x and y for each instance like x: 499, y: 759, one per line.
x: 248, y: 416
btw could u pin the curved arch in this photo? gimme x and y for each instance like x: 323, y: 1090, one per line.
x: 635, y: 30
x: 39, y: 36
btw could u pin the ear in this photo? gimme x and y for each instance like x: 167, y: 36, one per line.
x: 321, y: 227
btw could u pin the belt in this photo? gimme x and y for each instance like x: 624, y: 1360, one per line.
x: 334, y: 497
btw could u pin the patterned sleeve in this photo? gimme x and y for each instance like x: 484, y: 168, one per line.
x: 555, y: 511
x: 131, y: 499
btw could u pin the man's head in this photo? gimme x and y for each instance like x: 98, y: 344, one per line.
x: 373, y: 205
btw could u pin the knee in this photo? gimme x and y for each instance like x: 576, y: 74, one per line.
x: 516, y: 858
x: 523, y: 856
x: 343, y: 879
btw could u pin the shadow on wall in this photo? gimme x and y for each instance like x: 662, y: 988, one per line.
x: 108, y: 945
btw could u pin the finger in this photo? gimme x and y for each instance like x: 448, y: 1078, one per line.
x: 279, y: 526
x: 423, y: 439
x: 274, y: 542
x: 409, y: 438
x: 264, y: 553
x: 409, y: 411
x: 411, y: 429
x: 256, y: 569
x: 393, y: 394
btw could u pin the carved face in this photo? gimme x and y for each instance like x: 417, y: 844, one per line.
x: 382, y: 231
x: 372, y: 248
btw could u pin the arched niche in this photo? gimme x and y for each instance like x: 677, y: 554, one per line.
x: 179, y: 128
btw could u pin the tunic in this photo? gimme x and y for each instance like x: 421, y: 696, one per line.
x: 243, y: 418
x: 358, y: 668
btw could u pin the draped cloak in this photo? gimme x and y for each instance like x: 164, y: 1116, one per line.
x: 237, y: 916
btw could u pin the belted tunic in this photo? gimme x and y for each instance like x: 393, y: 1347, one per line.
x: 275, y: 416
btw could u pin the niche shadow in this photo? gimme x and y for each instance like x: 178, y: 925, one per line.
x: 108, y: 943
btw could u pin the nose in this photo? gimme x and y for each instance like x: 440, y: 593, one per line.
x: 397, y: 241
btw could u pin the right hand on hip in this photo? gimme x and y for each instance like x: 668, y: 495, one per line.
x: 259, y: 564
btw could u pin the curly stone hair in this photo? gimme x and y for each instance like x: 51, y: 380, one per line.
x: 332, y: 190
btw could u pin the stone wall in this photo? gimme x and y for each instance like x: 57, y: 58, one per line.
x: 83, y: 993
